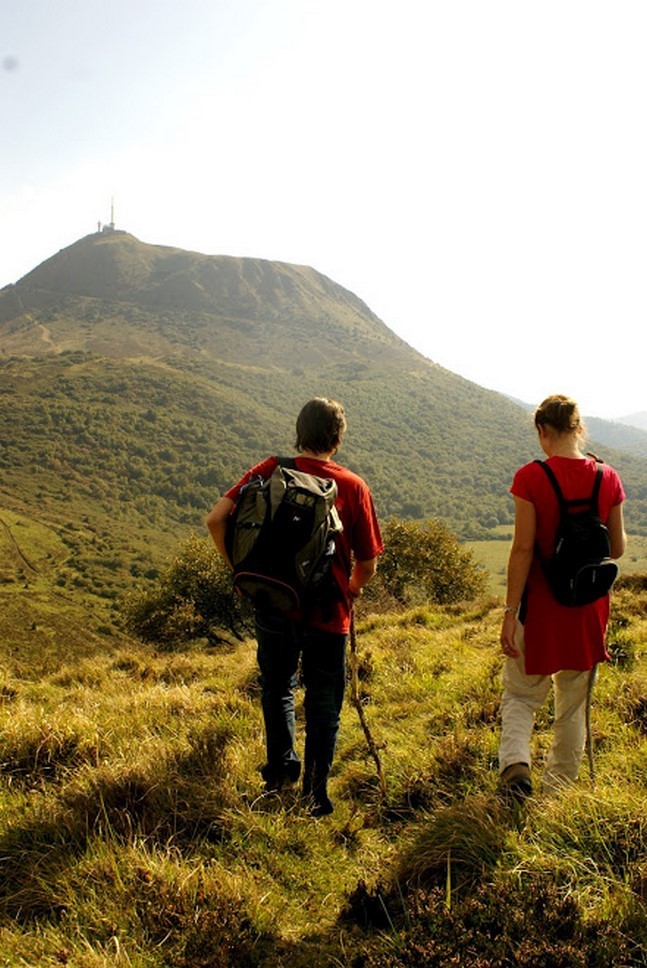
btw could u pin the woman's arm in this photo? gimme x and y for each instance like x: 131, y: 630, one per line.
x: 519, y: 562
x: 616, y: 529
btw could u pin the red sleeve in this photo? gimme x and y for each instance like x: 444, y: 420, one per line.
x: 367, y: 539
x: 523, y: 481
x: 617, y: 490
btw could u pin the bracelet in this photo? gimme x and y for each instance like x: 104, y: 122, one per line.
x: 510, y: 608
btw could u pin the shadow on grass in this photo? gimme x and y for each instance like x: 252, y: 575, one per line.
x: 179, y: 800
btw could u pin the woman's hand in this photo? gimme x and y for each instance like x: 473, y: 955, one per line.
x: 507, y: 635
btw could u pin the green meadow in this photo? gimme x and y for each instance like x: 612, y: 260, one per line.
x: 493, y: 556
x: 134, y: 830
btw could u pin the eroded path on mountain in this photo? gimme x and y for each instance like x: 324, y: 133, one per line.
x: 16, y: 547
x: 47, y: 337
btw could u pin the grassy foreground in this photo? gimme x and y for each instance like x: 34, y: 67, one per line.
x: 133, y: 831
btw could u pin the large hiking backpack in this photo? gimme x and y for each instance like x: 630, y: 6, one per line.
x: 281, y: 538
x: 580, y: 570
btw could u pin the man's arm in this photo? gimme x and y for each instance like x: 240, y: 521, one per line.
x: 362, y: 574
x: 217, y: 525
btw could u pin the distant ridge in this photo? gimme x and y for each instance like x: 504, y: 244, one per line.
x: 635, y: 420
x: 618, y: 434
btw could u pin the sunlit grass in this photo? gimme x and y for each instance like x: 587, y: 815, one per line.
x: 134, y: 829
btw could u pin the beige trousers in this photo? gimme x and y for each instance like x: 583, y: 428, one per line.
x: 522, y: 697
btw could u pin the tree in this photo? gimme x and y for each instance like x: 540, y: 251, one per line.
x: 424, y: 562
x: 193, y: 599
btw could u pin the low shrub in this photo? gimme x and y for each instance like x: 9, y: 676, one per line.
x: 193, y: 599
x: 424, y: 562
x: 514, y: 924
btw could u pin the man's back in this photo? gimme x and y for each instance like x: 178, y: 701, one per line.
x: 360, y: 538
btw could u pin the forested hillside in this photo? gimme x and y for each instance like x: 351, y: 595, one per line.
x: 137, y: 382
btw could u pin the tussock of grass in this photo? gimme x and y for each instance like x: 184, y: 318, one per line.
x: 598, y: 835
x: 468, y: 837
x: 195, y: 917
x: 35, y: 750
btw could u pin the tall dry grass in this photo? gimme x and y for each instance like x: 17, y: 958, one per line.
x: 134, y: 830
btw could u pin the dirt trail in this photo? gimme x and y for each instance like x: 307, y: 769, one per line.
x: 47, y: 338
x: 16, y: 546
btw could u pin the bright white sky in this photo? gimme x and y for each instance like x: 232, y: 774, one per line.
x: 474, y: 170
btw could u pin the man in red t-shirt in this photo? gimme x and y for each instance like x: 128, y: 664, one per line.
x: 319, y: 637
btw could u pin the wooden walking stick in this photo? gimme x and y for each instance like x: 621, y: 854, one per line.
x: 357, y: 702
x: 589, y: 736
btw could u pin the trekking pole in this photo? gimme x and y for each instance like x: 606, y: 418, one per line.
x: 357, y: 702
x: 589, y: 737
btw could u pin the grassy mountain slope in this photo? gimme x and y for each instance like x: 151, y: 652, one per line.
x: 114, y: 295
x: 137, y: 382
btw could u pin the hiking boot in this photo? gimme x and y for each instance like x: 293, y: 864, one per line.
x: 292, y: 771
x: 276, y: 778
x: 515, y: 783
x: 322, y: 808
x: 319, y: 806
x: 314, y: 792
x: 273, y: 781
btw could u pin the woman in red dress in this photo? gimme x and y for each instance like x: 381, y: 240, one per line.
x: 542, y: 639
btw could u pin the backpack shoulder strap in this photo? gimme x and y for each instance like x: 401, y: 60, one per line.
x: 550, y: 474
x: 596, y: 488
x: 563, y: 503
x: 287, y: 462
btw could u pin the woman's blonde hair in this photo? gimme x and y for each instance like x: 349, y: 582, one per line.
x: 560, y: 413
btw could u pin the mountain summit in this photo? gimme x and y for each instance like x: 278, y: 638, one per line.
x: 112, y: 294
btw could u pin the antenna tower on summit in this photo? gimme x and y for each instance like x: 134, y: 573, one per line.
x: 111, y: 226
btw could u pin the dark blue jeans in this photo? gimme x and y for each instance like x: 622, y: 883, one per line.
x: 323, y: 668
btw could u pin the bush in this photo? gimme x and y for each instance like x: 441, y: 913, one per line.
x: 424, y: 562
x: 193, y: 599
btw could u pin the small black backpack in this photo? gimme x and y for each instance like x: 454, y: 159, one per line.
x: 580, y: 570
x: 281, y: 538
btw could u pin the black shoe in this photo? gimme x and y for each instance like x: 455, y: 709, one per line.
x: 322, y: 808
x: 515, y: 783
x: 276, y: 779
x: 292, y: 771
x: 317, y: 805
